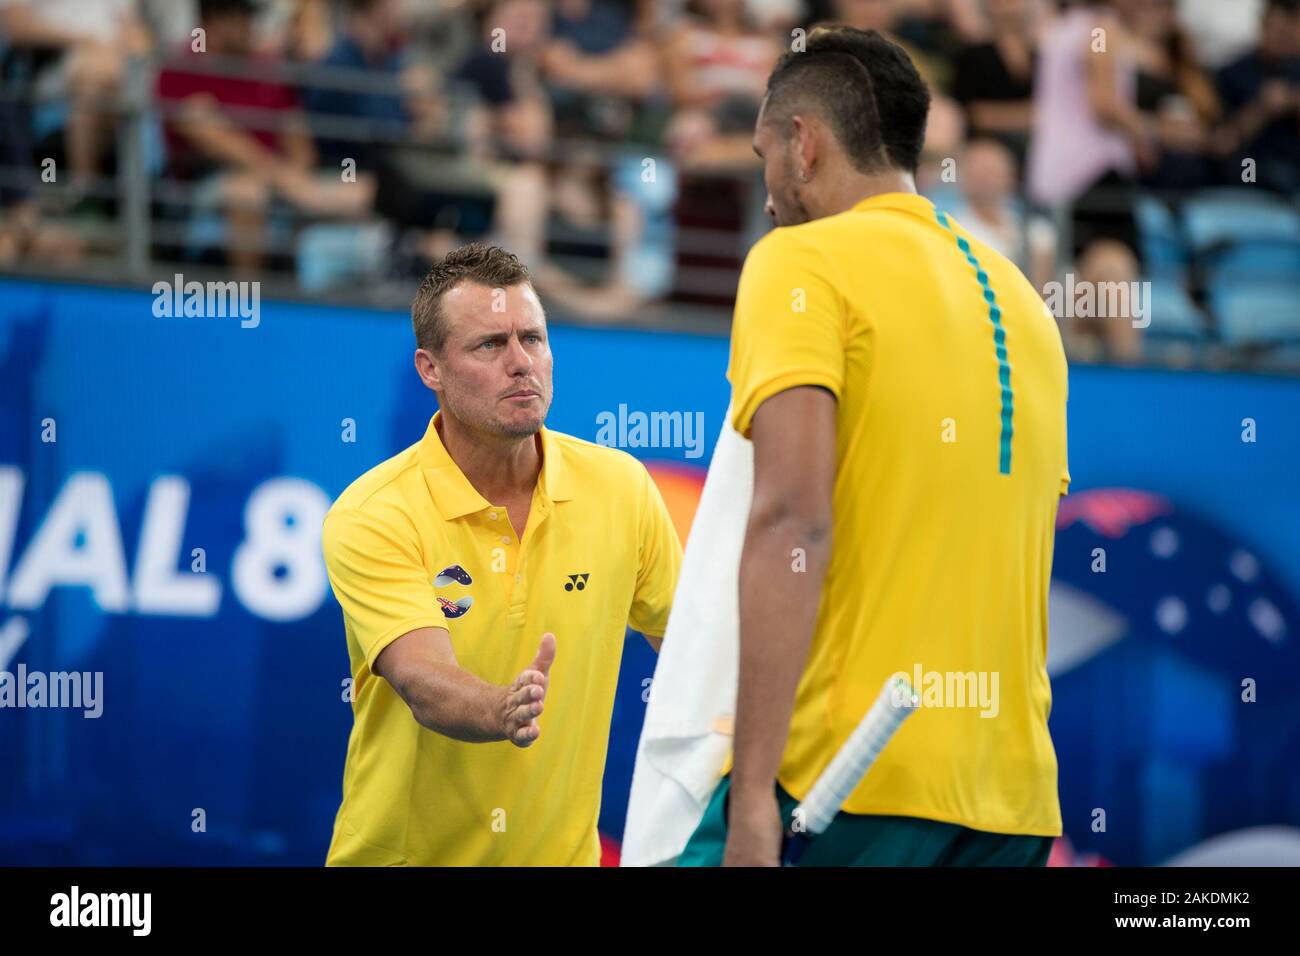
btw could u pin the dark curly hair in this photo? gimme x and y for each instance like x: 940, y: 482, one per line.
x: 881, y: 106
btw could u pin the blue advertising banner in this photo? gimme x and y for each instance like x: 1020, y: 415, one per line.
x: 163, y: 478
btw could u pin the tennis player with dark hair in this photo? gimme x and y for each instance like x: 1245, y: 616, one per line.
x: 487, y: 575
x: 904, y: 388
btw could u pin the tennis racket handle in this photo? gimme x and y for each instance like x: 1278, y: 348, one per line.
x: 893, y: 705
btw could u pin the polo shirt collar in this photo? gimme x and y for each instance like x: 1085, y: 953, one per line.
x: 905, y: 202
x: 455, y: 497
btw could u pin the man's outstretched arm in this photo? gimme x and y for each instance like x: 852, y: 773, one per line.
x: 378, y: 576
x: 421, y: 666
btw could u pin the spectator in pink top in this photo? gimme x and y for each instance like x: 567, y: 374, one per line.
x: 1089, y: 141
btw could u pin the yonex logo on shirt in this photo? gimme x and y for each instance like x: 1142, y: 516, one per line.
x: 577, y: 582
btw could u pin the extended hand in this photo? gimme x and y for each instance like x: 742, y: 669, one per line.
x: 522, y: 703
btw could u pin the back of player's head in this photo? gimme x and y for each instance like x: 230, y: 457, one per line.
x: 864, y: 86
x: 478, y: 262
x: 835, y: 88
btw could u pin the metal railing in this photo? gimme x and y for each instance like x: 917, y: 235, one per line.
x: 135, y: 235
x: 129, y: 244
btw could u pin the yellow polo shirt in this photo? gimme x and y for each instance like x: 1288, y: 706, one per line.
x: 599, y: 552
x: 950, y: 459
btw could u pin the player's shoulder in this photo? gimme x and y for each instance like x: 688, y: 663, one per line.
x: 828, y: 237
x: 808, y: 247
x: 379, y: 493
x: 802, y: 236
x: 589, y: 459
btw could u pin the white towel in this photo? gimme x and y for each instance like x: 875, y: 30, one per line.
x: 686, y: 738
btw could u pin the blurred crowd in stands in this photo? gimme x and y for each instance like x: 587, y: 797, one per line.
x: 349, y: 143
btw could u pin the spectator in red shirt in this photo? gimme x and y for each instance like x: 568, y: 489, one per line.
x: 244, y: 141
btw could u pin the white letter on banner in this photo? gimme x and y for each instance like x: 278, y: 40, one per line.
x: 83, y: 509
x: 159, y: 587
x: 11, y: 497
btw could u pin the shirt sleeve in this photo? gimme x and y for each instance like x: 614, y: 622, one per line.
x: 660, y: 562
x: 379, y: 580
x: 789, y: 326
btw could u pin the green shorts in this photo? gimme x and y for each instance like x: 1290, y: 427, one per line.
x: 855, y: 839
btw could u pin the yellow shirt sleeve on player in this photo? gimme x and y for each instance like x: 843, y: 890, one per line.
x: 789, y: 328
x: 378, y: 577
x: 660, y: 561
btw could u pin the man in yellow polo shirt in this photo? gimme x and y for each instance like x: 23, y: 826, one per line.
x: 905, y: 388
x: 487, y: 575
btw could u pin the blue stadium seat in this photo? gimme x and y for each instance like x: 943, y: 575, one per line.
x: 334, y: 255
x: 1173, y: 313
x: 1285, y: 358
x: 1217, y: 217
x: 1258, y: 313
x: 1163, y: 245
x: 1255, y: 260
